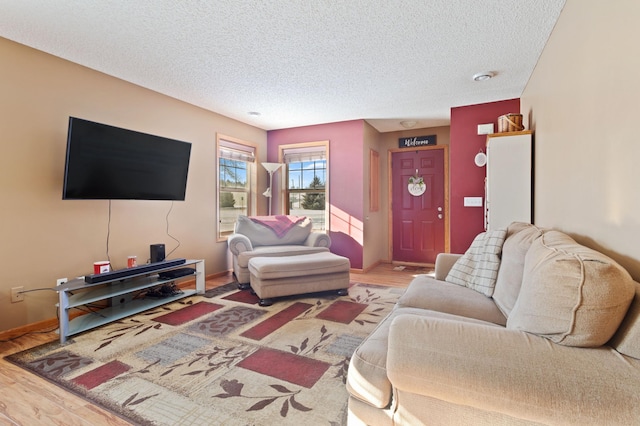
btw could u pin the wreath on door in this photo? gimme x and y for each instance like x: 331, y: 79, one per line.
x: 416, y: 185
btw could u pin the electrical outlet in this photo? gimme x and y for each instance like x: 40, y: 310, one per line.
x: 17, y: 295
x: 61, y: 281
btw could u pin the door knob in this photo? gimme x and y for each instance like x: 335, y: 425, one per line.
x: 439, y: 209
x: 439, y: 215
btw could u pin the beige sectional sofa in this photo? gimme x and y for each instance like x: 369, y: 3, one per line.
x: 555, y: 341
x: 252, y: 239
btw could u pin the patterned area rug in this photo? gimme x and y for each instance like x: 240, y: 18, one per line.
x: 221, y: 359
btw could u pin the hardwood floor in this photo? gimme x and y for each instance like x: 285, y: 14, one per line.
x: 29, y: 400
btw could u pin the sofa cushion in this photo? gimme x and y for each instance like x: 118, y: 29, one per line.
x: 269, y: 268
x: 261, y: 235
x: 627, y: 337
x: 425, y: 292
x: 571, y: 294
x: 478, y: 267
x: 519, y: 238
x: 277, y: 251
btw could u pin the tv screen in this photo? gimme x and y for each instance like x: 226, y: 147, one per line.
x: 109, y: 163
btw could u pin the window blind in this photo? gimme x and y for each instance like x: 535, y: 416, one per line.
x: 232, y: 151
x: 296, y: 155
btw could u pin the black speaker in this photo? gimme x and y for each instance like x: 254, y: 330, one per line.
x: 157, y: 252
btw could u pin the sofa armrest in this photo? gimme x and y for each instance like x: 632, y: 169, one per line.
x: 318, y: 239
x: 455, y: 361
x: 239, y: 243
x: 511, y: 372
x: 444, y: 263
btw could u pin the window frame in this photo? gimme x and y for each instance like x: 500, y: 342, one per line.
x: 230, y: 142
x: 306, y: 146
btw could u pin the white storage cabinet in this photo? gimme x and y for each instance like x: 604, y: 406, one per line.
x: 509, y: 191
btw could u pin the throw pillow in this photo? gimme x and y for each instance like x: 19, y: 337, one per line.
x: 570, y: 294
x: 516, y: 245
x: 478, y: 267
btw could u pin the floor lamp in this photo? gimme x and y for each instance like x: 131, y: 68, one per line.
x: 271, y: 168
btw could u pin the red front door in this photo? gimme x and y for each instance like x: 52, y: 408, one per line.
x: 418, y: 219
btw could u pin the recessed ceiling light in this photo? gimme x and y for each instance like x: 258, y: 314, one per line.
x: 256, y: 113
x: 482, y: 76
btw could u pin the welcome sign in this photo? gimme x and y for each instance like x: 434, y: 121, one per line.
x: 415, y: 141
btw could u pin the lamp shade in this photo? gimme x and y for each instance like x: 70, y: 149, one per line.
x: 271, y: 167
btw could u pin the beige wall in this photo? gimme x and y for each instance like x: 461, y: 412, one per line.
x: 375, y: 237
x: 582, y: 101
x: 44, y: 237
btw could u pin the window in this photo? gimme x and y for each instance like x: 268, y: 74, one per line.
x: 307, y: 182
x: 236, y: 177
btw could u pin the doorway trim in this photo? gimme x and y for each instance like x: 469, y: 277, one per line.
x: 447, y: 240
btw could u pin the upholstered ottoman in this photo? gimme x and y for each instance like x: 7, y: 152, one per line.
x: 307, y: 273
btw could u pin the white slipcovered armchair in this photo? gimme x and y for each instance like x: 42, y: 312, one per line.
x: 252, y: 238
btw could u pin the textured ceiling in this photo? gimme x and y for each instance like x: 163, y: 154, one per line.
x: 299, y: 62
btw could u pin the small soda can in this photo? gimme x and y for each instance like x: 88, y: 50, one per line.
x: 101, y: 267
x: 132, y: 261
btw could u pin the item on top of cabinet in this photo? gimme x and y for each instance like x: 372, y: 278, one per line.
x: 510, y: 123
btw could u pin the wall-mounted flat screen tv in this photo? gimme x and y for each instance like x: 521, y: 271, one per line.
x: 109, y: 163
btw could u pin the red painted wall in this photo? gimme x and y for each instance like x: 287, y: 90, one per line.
x: 466, y: 179
x: 346, y: 170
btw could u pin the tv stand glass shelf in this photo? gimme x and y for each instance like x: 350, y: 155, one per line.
x: 120, y: 292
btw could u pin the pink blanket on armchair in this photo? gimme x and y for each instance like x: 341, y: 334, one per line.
x: 280, y: 224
